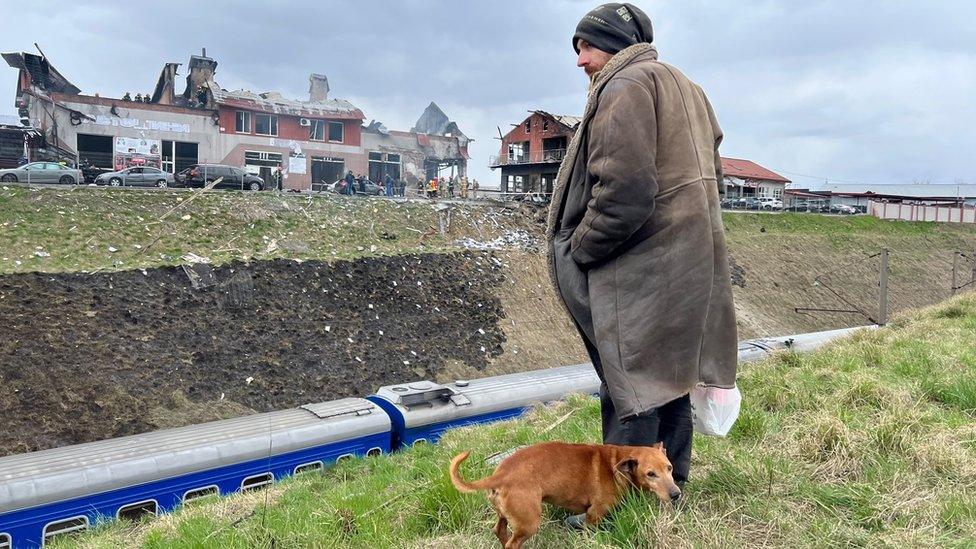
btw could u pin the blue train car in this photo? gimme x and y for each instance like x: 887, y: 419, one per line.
x: 64, y: 490
x: 423, y: 410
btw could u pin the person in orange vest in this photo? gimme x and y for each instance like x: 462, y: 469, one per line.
x: 432, y: 188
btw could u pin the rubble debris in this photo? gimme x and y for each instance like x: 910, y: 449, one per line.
x: 514, y: 239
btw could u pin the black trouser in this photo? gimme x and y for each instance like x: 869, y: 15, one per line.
x: 669, y: 423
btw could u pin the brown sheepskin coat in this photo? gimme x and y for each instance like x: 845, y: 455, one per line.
x: 636, y: 243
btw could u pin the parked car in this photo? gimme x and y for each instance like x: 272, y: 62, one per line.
x: 42, y: 172
x: 749, y: 203
x: 803, y: 207
x: 728, y: 202
x: 770, y: 203
x: 339, y: 187
x: 200, y: 175
x: 842, y: 209
x: 136, y: 176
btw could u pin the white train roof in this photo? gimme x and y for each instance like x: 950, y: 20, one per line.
x: 36, y: 478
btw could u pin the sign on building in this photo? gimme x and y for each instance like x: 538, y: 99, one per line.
x: 137, y: 151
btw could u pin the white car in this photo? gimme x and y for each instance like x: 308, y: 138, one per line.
x: 770, y: 203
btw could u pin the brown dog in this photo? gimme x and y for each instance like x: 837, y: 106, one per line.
x: 588, y: 478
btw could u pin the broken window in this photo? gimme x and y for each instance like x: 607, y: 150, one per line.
x: 336, y: 131
x: 517, y: 152
x: 383, y: 164
x: 326, y: 171
x: 11, y: 149
x: 97, y: 149
x: 317, y: 131
x: 266, y: 124
x: 177, y: 156
x: 545, y: 125
x: 528, y: 125
x: 263, y: 164
x: 243, y: 124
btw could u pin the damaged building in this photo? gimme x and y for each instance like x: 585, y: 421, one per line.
x: 314, y: 140
x: 434, y: 147
x: 531, y: 152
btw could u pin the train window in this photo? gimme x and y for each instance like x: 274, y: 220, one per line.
x: 304, y: 468
x: 135, y: 511
x: 373, y: 452
x: 343, y: 457
x: 201, y: 493
x: 256, y: 482
x: 4, y: 541
x: 65, y: 527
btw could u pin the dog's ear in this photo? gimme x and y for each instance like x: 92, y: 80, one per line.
x: 660, y: 446
x: 627, y: 467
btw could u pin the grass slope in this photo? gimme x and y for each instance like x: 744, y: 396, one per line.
x: 85, y: 228
x: 868, y: 442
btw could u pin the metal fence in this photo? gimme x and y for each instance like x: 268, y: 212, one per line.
x: 876, y: 285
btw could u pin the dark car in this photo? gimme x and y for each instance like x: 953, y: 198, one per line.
x: 200, y: 175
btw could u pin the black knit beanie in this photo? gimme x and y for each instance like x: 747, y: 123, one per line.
x: 612, y: 27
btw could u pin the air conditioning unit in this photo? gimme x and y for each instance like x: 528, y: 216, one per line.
x: 304, y: 122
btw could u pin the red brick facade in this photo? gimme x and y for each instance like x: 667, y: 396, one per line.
x: 540, y: 128
x: 289, y: 127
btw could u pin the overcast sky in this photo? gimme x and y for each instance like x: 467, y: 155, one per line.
x: 872, y: 92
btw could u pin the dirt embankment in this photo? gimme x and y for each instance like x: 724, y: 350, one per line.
x: 86, y: 357
x: 90, y: 356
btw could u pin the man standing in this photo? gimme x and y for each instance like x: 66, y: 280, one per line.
x: 636, y: 243
x: 278, y: 178
x: 350, y: 183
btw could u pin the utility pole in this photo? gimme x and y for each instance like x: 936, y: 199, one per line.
x: 955, y: 269
x: 883, y: 294
x: 972, y: 278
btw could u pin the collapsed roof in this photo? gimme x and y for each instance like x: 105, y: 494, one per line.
x: 433, y: 121
x: 42, y: 74
x: 570, y: 122
x: 274, y: 102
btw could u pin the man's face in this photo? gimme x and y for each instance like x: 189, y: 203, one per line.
x: 591, y: 59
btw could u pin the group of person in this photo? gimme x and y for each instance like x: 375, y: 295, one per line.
x: 438, y: 187
x: 351, y: 185
x: 452, y: 187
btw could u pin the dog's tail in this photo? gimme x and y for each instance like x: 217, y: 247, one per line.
x: 461, y: 484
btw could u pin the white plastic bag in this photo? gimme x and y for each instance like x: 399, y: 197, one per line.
x: 714, y: 409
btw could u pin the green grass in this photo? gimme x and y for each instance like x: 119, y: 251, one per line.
x: 85, y: 228
x: 805, y: 223
x: 869, y: 442
x: 77, y: 228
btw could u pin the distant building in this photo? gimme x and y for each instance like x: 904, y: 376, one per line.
x: 854, y: 194
x: 745, y: 178
x: 531, y: 152
x: 530, y: 155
